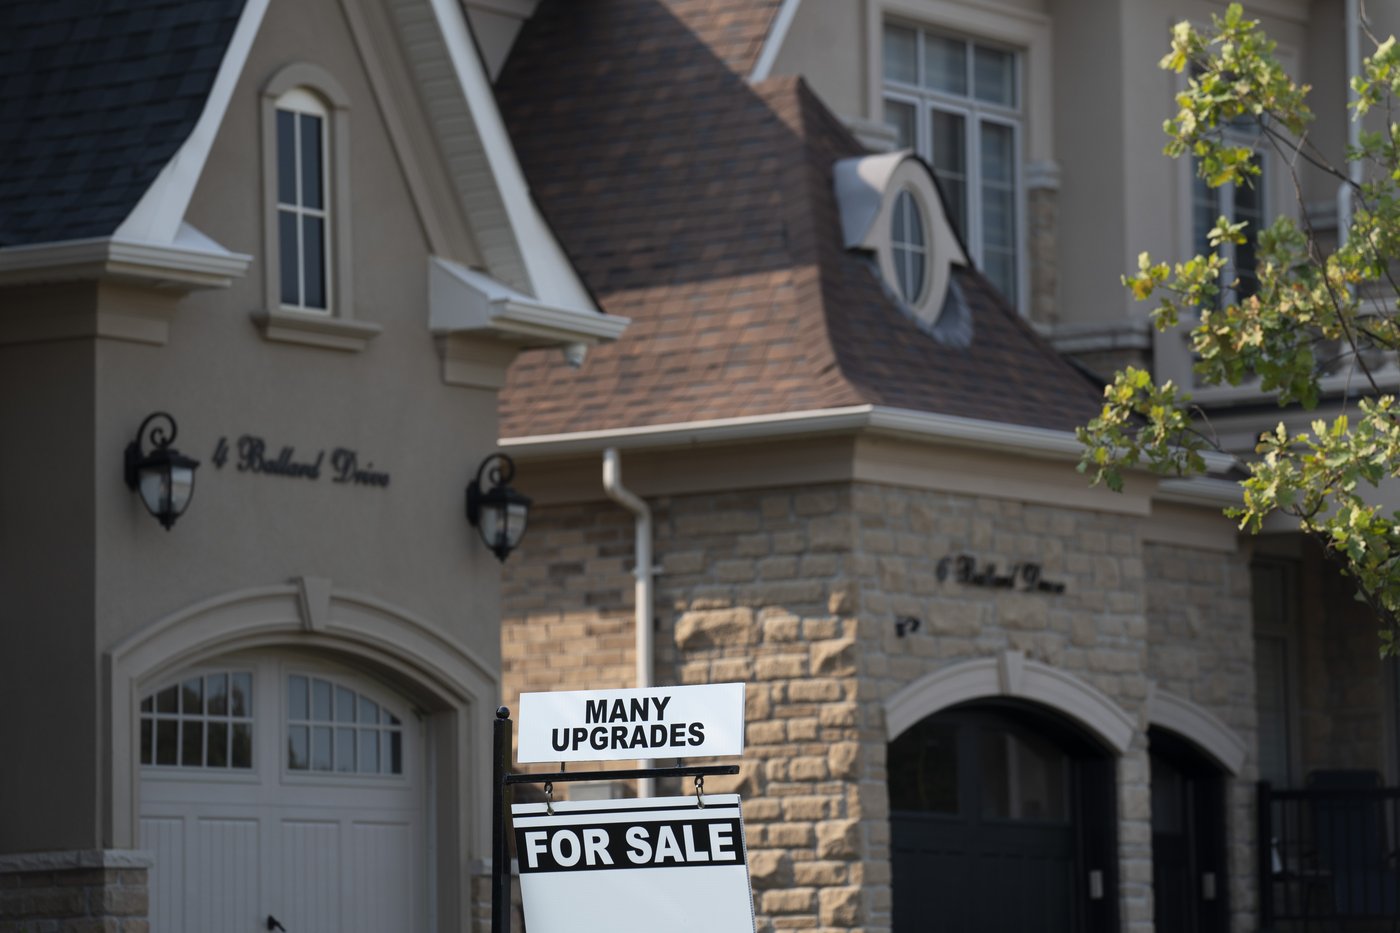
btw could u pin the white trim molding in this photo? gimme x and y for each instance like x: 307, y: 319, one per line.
x: 161, y: 210
x: 552, y: 277
x: 1199, y: 726
x: 773, y: 42
x: 191, y: 261
x: 1045, y: 443
x: 481, y: 323
x: 1010, y: 674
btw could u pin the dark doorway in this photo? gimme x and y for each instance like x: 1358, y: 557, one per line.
x: 1002, y: 819
x: 1189, y: 881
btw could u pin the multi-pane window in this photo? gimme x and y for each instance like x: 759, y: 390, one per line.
x: 331, y: 728
x: 205, y: 721
x: 1237, y: 202
x: 302, y: 202
x: 956, y: 102
x: 907, y: 246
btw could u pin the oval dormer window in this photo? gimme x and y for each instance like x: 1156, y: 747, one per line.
x: 908, y: 244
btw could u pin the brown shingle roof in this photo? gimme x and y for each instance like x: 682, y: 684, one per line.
x: 702, y: 208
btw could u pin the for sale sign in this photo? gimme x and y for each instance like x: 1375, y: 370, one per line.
x: 634, y: 866
x: 642, y: 722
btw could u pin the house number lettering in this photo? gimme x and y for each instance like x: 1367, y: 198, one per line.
x: 251, y: 454
x: 963, y: 568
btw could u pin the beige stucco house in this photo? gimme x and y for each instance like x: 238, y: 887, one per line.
x: 298, y: 230
x: 832, y: 458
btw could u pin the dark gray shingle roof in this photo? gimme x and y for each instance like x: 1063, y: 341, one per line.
x: 95, y: 97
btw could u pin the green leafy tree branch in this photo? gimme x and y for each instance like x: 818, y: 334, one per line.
x: 1310, y: 311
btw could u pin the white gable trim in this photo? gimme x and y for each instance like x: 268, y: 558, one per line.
x: 1011, y: 675
x: 462, y: 300
x: 552, y: 277
x: 773, y: 43
x: 158, y: 215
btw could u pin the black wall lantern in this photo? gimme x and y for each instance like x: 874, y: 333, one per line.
x: 164, y: 477
x: 498, y: 513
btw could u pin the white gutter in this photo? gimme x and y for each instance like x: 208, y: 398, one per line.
x: 642, y: 572
x: 1200, y: 490
x: 925, y: 426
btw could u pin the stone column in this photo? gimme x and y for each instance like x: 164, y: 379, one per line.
x: 98, y: 891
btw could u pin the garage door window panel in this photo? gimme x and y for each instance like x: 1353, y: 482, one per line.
x: 205, y: 721
x: 332, y: 728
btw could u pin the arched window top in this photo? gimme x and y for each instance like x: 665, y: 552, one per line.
x: 333, y: 728
x: 203, y: 721
x: 303, y: 99
x: 307, y: 272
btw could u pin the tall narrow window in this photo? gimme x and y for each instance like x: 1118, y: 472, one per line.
x: 303, y: 221
x: 956, y: 103
x: 1236, y: 202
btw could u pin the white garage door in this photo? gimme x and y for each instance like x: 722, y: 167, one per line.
x: 273, y: 787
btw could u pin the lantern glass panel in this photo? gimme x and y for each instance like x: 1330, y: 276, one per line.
x: 181, y: 487
x: 516, y: 513
x: 155, y: 489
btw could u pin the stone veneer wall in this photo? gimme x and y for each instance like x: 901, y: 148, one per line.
x: 74, y: 892
x: 1202, y: 648
x: 795, y: 591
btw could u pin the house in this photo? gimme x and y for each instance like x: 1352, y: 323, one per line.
x: 832, y: 458
x: 289, y: 241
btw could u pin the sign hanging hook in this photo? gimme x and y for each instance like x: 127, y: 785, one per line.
x: 699, y: 791
x: 549, y: 797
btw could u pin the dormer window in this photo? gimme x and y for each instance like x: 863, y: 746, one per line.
x: 891, y: 209
x: 303, y: 221
x: 907, y: 244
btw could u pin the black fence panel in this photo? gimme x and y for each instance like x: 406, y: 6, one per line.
x: 1329, y: 855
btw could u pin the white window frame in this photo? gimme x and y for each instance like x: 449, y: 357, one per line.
x: 301, y: 101
x: 307, y: 88
x: 974, y: 114
x: 1025, y: 32
x: 915, y: 218
x: 361, y: 690
x: 225, y: 772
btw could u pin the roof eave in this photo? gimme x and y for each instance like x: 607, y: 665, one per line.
x: 111, y: 258
x: 1021, y: 440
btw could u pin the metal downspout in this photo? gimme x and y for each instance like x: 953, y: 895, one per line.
x: 1354, y: 167
x: 612, y: 485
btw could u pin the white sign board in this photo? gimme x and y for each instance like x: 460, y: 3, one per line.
x: 639, y: 865
x: 643, y: 722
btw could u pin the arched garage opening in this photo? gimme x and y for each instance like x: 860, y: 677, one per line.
x: 292, y: 748
x: 1193, y: 755
x: 1003, y: 803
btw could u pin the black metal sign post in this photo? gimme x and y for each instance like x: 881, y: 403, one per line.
x: 503, y: 779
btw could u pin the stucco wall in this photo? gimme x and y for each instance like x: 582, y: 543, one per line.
x: 82, y: 565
